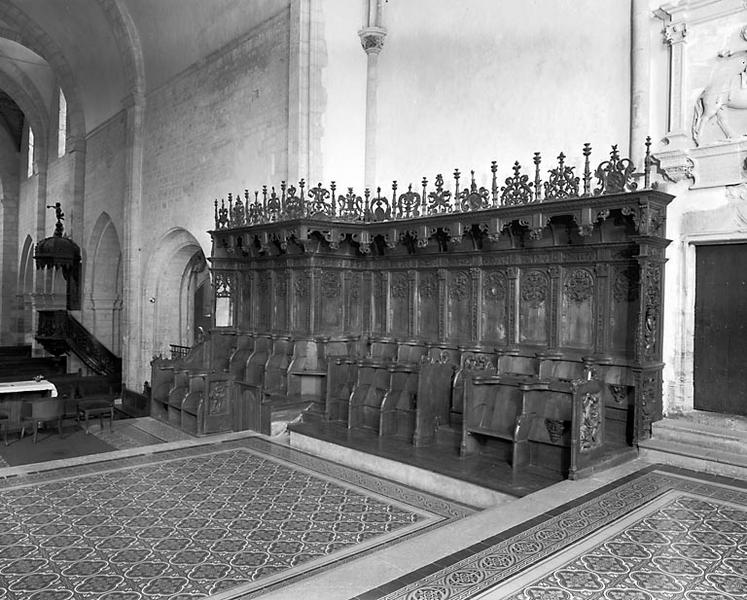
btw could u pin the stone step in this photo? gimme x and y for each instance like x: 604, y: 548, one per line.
x: 698, y: 458
x: 705, y: 419
x: 705, y: 436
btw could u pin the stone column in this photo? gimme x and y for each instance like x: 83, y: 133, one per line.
x: 9, y: 313
x: 372, y: 39
x: 640, y: 80
x: 134, y: 351
x: 675, y: 35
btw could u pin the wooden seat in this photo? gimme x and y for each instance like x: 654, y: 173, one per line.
x: 98, y: 407
x: 38, y: 412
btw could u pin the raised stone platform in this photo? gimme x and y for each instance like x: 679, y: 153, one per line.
x: 704, y: 441
x: 480, y: 480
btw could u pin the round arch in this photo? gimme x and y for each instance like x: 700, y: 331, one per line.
x: 174, y: 274
x: 25, y: 292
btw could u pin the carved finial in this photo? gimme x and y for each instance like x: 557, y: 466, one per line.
x: 494, y: 182
x: 587, y: 169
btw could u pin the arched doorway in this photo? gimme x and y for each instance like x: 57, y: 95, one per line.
x: 25, y: 297
x: 178, y: 292
x: 105, y: 289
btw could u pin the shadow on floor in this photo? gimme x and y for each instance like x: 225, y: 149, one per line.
x: 51, y: 446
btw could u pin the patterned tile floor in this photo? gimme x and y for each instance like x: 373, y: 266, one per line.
x: 231, y: 519
x: 663, y: 533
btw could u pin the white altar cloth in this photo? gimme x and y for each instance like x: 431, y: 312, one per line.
x: 31, y: 385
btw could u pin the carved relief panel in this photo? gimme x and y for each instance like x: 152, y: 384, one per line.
x: 494, y: 325
x: 459, y: 301
x: 301, y: 293
x: 577, y: 309
x: 623, y: 308
x: 399, y: 294
x: 707, y: 91
x: 355, y: 301
x: 280, y: 306
x: 265, y: 307
x: 534, y: 306
x: 427, y: 304
x: 330, y: 305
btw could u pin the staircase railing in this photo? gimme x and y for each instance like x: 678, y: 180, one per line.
x: 59, y: 332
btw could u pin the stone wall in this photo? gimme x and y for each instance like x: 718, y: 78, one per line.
x: 464, y: 83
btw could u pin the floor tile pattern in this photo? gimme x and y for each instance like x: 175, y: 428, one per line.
x: 691, y: 549
x: 125, y: 434
x: 189, y: 523
x: 710, y: 528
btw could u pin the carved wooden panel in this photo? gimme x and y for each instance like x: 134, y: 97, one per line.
x: 264, y: 306
x: 577, y: 309
x: 301, y: 300
x: 427, y: 304
x: 399, y: 294
x: 280, y: 305
x: 623, y: 307
x: 330, y: 303
x: 459, y: 299
x: 534, y: 306
x: 355, y: 301
x: 495, y: 299
x: 244, y: 317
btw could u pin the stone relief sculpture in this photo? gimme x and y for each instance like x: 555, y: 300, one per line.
x: 728, y: 89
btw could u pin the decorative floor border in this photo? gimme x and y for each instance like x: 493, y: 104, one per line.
x: 433, y: 510
x: 476, y: 569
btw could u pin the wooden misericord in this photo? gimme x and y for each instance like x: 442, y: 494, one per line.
x: 525, y: 319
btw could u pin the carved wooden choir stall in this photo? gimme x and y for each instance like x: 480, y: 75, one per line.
x: 521, y: 320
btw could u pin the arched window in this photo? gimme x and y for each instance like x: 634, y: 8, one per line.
x: 30, y: 165
x: 61, y: 126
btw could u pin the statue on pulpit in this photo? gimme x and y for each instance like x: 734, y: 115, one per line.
x: 60, y: 216
x: 728, y: 89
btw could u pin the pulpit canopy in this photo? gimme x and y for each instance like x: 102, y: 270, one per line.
x: 58, y: 251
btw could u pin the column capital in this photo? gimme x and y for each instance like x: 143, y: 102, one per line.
x: 675, y: 33
x: 675, y: 25
x: 372, y: 39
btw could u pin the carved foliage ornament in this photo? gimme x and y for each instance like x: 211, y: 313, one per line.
x: 534, y: 288
x: 518, y: 189
x: 494, y: 288
x: 301, y: 286
x: 265, y: 279
x: 428, y: 286
x: 223, y: 284
x: 355, y: 286
x: 217, y: 398
x: 459, y: 286
x: 478, y: 362
x: 579, y: 285
x: 591, y: 422
x: 651, y: 315
x: 331, y: 284
x: 625, y: 287
x: 615, y: 175
x: 400, y: 286
x: 562, y: 183
x: 281, y: 286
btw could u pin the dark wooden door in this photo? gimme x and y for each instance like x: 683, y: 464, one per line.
x: 720, y: 372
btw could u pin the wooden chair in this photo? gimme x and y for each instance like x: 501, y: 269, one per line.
x: 98, y: 407
x: 45, y: 410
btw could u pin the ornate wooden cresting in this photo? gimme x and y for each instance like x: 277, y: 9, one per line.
x: 555, y: 281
